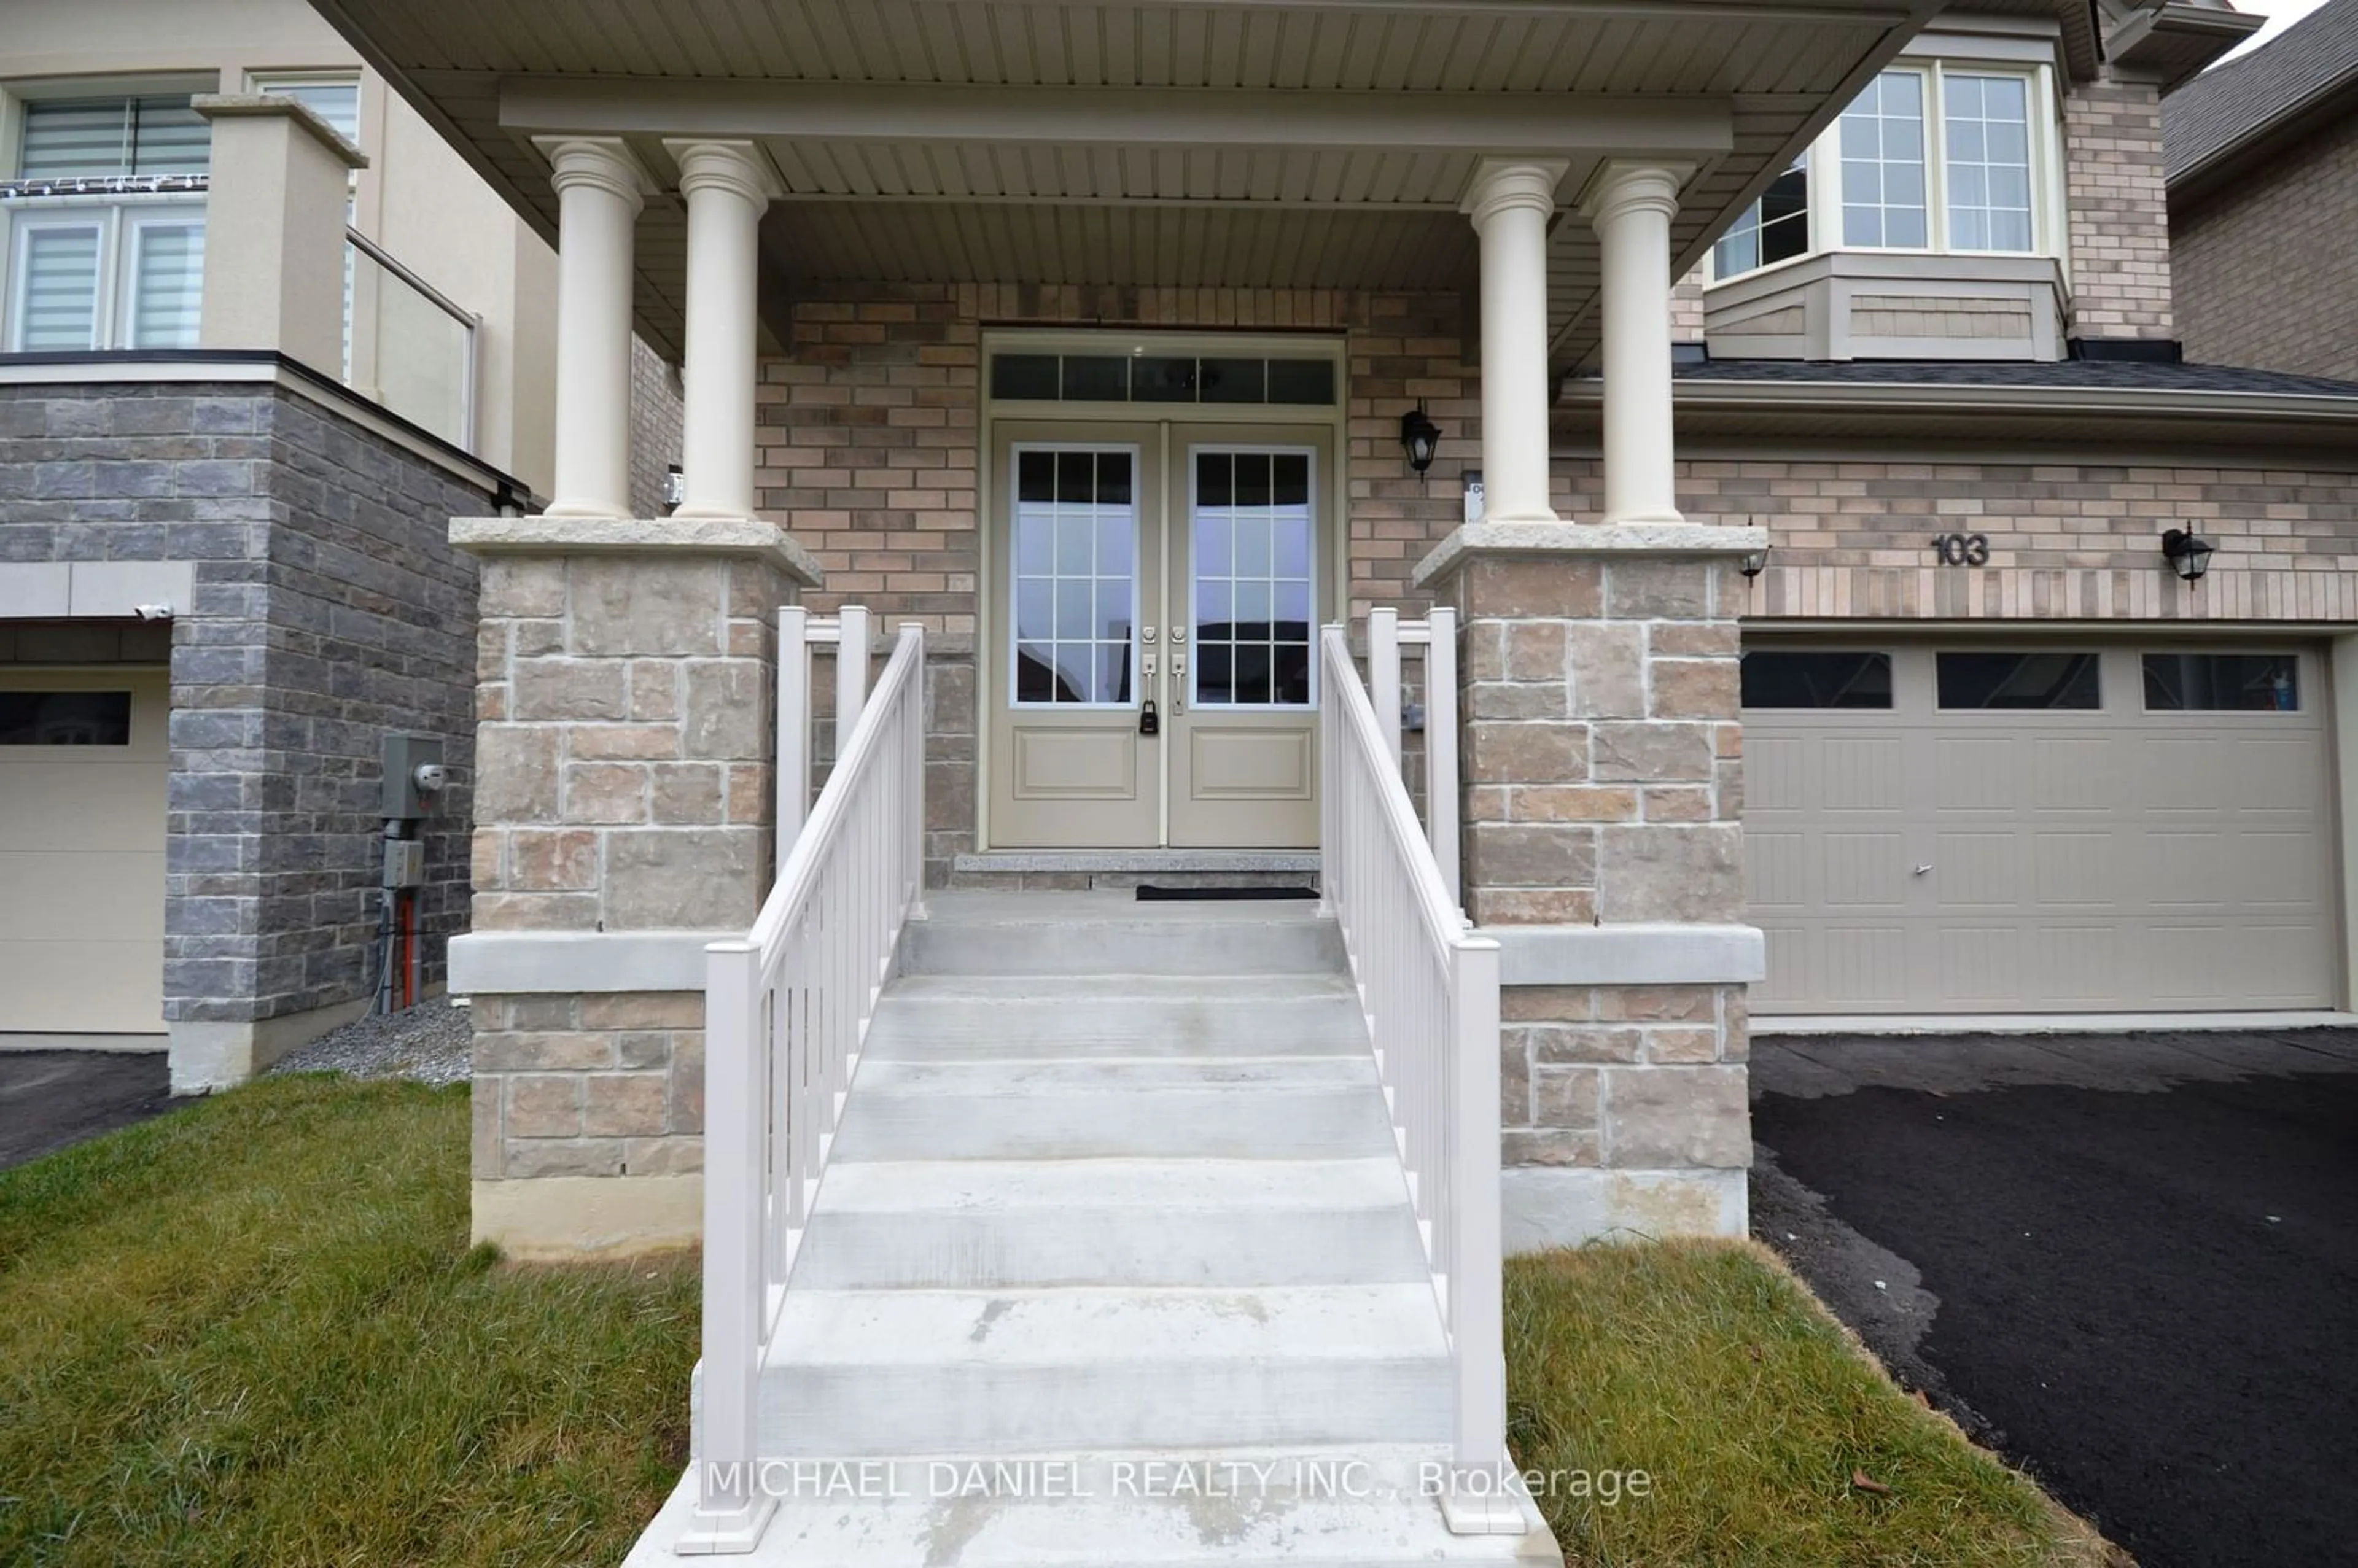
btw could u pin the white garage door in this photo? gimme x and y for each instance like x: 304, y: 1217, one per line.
x: 83, y: 758
x: 2031, y: 829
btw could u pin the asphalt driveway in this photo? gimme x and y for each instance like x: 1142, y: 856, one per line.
x: 2127, y: 1262
x: 51, y: 1099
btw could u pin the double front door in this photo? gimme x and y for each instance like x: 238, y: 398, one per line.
x: 1157, y: 590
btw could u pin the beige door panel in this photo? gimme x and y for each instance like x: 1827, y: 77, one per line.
x: 1074, y: 569
x: 1251, y: 559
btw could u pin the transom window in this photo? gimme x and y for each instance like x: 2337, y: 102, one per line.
x: 1163, y: 378
x: 1940, y: 155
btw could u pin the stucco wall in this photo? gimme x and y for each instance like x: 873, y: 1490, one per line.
x: 2267, y: 270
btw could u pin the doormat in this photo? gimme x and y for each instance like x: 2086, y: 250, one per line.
x: 1149, y: 894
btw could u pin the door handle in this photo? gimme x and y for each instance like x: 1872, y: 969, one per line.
x: 1178, y: 680
x: 1921, y: 871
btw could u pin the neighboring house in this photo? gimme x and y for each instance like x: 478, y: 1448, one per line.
x: 1122, y: 347
x: 2263, y: 169
x: 229, y: 442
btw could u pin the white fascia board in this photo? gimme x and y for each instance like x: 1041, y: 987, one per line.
x: 512, y: 963
x: 1626, y: 125
x: 1635, y: 955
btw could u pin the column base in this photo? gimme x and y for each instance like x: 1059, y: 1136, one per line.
x: 561, y: 1218
x: 1546, y: 1206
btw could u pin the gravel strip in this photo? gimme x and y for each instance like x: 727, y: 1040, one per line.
x: 431, y: 1043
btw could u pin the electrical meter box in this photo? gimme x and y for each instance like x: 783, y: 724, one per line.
x: 413, y: 775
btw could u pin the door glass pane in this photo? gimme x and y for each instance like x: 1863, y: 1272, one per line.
x: 2222, y: 683
x: 1253, y: 595
x: 1781, y: 677
x: 1076, y: 592
x: 56, y: 289
x: 2017, y: 680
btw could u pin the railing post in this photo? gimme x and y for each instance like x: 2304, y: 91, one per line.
x: 1441, y: 745
x: 850, y: 672
x: 794, y: 726
x: 1330, y: 778
x: 915, y: 632
x: 1479, y: 1501
x: 731, y: 1505
x: 1384, y: 675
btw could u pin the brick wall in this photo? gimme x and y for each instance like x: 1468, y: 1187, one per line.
x: 655, y: 413
x: 2119, y: 212
x: 868, y: 449
x: 1686, y: 308
x: 2293, y: 219
x: 329, y: 609
x: 2067, y: 540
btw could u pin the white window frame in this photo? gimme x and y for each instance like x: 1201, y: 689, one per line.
x: 1014, y: 643
x: 117, y: 220
x: 2048, y: 174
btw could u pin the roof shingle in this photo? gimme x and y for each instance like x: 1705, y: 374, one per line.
x: 2230, y: 102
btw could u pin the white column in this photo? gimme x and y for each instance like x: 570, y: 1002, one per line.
x: 600, y: 190
x: 726, y: 185
x: 1510, y: 201
x: 1631, y: 205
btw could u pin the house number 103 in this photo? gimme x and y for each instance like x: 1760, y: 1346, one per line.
x: 1962, y: 549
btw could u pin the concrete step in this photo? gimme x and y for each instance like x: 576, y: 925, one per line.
x: 1287, y: 1118
x: 1105, y: 934
x: 922, y: 1016
x: 1029, y: 1075
x: 969, y: 1225
x: 912, y: 1373
x: 1304, y: 1508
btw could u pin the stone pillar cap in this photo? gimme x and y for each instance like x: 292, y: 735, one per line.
x: 1605, y: 540
x: 752, y: 538
x: 251, y: 105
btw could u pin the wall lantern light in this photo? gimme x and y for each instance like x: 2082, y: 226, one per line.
x: 1421, y: 437
x: 2187, y: 553
x: 1756, y: 563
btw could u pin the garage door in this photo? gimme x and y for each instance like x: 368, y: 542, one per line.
x: 82, y: 764
x: 2065, y: 828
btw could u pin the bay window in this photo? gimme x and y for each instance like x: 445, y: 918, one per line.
x: 104, y: 225
x: 1936, y: 156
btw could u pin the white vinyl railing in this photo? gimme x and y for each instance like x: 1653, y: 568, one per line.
x: 786, y: 1012
x: 1386, y: 634
x: 1430, y: 990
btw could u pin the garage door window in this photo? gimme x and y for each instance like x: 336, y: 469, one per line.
x: 65, y: 718
x: 1781, y: 677
x: 2018, y: 680
x: 2222, y: 683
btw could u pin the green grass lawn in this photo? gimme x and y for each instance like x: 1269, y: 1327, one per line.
x: 252, y: 1331
x: 1709, y: 1367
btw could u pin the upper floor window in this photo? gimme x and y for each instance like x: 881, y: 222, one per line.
x: 120, y: 266
x: 98, y: 138
x: 334, y: 98
x: 1939, y: 156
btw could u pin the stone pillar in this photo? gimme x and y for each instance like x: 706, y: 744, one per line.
x: 1631, y: 205
x: 726, y: 185
x: 1601, y: 790
x: 600, y: 189
x: 625, y: 816
x: 1510, y: 201
x: 274, y: 218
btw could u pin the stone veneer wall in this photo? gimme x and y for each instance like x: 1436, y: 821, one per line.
x: 628, y: 709
x: 2294, y: 216
x: 869, y: 447
x: 2119, y: 211
x: 1602, y: 756
x: 2068, y: 540
x: 330, y: 608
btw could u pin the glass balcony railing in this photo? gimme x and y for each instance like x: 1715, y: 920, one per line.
x: 408, y: 344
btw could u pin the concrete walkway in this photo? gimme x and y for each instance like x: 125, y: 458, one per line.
x: 2128, y: 1262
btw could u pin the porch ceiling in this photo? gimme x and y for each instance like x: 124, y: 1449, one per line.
x: 1280, y: 142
